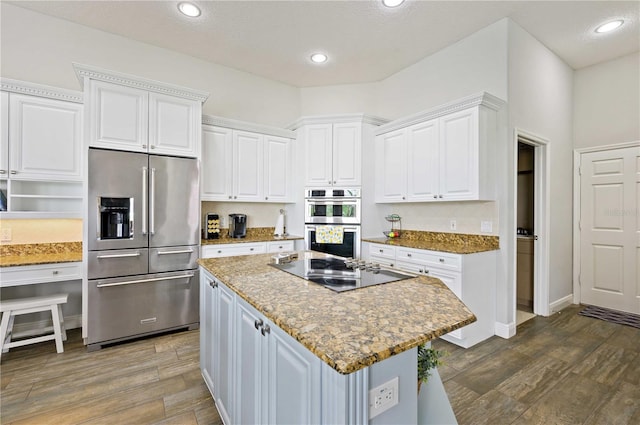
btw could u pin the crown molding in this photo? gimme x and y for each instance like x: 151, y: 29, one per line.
x: 40, y: 90
x: 479, y: 99
x: 337, y: 119
x: 247, y: 126
x: 95, y: 73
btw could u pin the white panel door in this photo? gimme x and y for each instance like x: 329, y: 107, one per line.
x: 248, y: 163
x: 610, y: 230
x: 45, y: 137
x: 277, y: 169
x: 223, y: 347
x: 318, y: 154
x: 422, y: 165
x: 174, y: 125
x: 4, y: 134
x: 217, y: 156
x: 208, y: 305
x: 119, y: 117
x: 391, y: 167
x: 459, y: 156
x: 347, y: 154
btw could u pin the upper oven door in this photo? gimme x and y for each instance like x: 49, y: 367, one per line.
x: 349, y: 248
x: 332, y: 211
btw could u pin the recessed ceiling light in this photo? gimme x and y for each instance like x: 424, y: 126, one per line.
x: 609, y: 26
x: 318, y: 58
x: 189, y: 9
x: 392, y: 3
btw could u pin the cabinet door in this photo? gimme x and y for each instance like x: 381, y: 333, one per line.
x: 119, y: 117
x: 223, y: 350
x: 347, y: 154
x: 277, y: 169
x: 293, y: 381
x: 391, y: 166
x: 422, y: 162
x: 217, y: 156
x: 459, y: 155
x: 174, y: 125
x: 249, y: 362
x: 280, y: 246
x: 46, y: 139
x: 318, y: 154
x: 248, y: 162
x: 4, y: 134
x: 208, y: 304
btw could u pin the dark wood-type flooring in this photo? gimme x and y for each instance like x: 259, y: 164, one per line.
x: 564, y: 369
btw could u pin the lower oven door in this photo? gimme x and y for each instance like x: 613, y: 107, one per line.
x: 121, y: 308
x: 350, y: 246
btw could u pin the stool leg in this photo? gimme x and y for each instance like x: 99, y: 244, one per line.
x: 9, y: 335
x: 4, y: 327
x: 56, y: 328
x: 62, y: 325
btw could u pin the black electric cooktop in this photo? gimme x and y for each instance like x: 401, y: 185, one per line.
x: 339, y: 274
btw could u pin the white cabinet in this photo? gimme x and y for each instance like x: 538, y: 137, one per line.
x: 439, y: 155
x: 41, y: 149
x: 260, y: 374
x: 245, y: 248
x: 280, y: 246
x: 245, y: 166
x: 208, y: 310
x: 140, y: 115
x: 333, y: 154
x: 471, y: 277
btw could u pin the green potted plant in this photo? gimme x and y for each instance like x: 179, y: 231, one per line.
x: 428, y: 358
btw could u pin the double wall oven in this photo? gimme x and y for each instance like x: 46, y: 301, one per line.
x: 336, y: 210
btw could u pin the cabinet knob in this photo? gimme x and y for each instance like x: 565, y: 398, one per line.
x: 257, y: 323
x: 229, y: 196
x: 440, y: 196
x: 251, y: 249
x: 265, y: 330
x: 266, y: 198
x: 219, y: 251
x: 380, y: 250
x: 56, y: 272
x: 435, y: 196
x: 144, y: 146
x: 408, y: 255
x: 13, y: 172
x: 3, y: 171
x: 329, y: 182
x: 426, y: 272
x: 334, y: 182
x: 403, y: 198
x: 421, y: 271
x: 280, y: 247
x: 391, y: 265
x: 441, y: 260
x: 235, y: 197
x: 153, y: 147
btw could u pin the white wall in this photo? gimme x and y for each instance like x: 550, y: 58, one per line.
x: 606, y: 103
x: 40, y: 49
x: 540, y: 102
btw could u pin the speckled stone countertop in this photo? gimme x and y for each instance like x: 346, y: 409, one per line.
x: 41, y: 253
x: 349, y: 330
x: 457, y: 243
x: 254, y: 234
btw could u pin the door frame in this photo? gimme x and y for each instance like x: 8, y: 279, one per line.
x: 541, y: 225
x: 577, y: 161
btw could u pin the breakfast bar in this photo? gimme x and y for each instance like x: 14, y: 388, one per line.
x: 280, y: 348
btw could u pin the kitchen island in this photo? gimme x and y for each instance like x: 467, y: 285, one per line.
x: 278, y: 348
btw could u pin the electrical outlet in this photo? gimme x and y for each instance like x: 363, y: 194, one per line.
x: 453, y: 225
x: 5, y: 234
x: 486, y: 226
x: 383, y: 397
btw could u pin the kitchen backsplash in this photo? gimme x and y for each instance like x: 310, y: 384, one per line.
x: 258, y: 214
x: 31, y: 231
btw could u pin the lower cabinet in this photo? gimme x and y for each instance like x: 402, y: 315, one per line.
x: 472, y: 277
x: 245, y: 248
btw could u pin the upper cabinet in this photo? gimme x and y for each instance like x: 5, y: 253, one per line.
x: 245, y: 166
x: 333, y: 148
x: 445, y: 154
x: 138, y: 115
x: 41, y: 149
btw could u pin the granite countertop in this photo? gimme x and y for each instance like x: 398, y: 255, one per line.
x: 456, y: 243
x: 349, y: 330
x: 41, y: 253
x: 254, y: 234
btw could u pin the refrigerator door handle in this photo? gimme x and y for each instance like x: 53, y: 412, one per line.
x: 144, y: 200
x: 152, y: 202
x: 135, y: 254
x: 155, y: 279
x: 182, y: 251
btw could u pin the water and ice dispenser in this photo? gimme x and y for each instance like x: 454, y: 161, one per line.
x: 115, y: 218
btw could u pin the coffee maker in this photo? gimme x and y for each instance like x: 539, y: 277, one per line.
x: 237, y: 225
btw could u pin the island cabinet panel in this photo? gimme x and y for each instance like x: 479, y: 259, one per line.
x: 223, y: 352
x: 208, y: 309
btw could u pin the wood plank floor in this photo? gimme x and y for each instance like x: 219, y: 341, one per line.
x: 564, y: 369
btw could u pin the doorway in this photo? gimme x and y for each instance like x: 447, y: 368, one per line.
x: 531, y: 219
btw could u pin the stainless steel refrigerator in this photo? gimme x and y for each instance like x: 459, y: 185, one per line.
x: 143, y: 227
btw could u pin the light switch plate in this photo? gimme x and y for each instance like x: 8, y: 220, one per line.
x: 5, y: 234
x: 453, y: 225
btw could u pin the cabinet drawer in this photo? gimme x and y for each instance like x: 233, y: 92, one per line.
x: 229, y: 250
x: 383, y: 261
x: 27, y: 275
x: 280, y: 246
x: 431, y: 258
x: 382, y: 251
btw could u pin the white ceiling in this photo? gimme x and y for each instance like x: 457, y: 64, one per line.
x: 365, y: 41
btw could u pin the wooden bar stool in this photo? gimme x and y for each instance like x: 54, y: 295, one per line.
x: 12, y: 308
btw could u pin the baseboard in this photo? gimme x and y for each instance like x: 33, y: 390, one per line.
x: 35, y: 328
x: 560, y: 304
x: 505, y: 330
